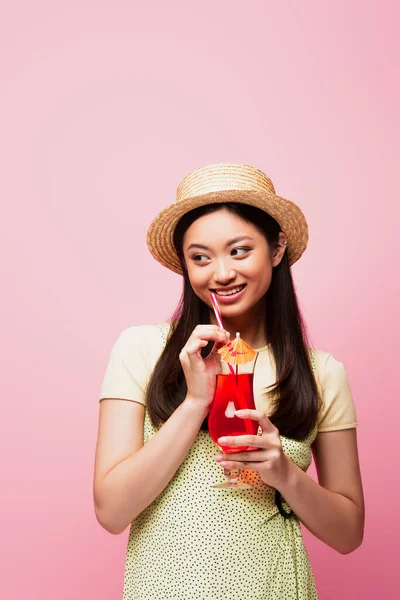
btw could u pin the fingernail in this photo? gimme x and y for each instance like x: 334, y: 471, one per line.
x: 239, y: 413
x: 222, y: 440
x: 225, y: 463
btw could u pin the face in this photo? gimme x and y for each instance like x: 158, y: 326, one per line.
x: 225, y: 254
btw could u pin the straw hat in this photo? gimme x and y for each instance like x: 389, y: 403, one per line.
x: 225, y: 182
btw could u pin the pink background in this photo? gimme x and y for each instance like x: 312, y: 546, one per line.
x: 104, y: 107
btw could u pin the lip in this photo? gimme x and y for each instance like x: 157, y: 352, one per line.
x: 232, y: 298
x: 228, y: 288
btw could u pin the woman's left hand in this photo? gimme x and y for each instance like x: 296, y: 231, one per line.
x: 269, y: 461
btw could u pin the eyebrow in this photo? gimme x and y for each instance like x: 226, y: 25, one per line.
x: 230, y: 242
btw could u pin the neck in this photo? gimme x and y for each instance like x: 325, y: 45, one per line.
x: 250, y: 325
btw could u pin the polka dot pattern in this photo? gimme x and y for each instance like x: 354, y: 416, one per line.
x: 199, y: 542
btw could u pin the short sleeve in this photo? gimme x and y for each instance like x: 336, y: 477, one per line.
x: 131, y: 361
x: 337, y: 409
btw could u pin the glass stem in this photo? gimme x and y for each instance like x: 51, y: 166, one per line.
x: 228, y: 473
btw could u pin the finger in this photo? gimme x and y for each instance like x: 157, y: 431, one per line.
x: 219, y: 337
x: 194, y: 359
x: 204, y: 330
x: 207, y: 327
x: 193, y: 346
x: 254, y: 456
x: 243, y: 440
x: 257, y: 415
x: 252, y: 466
x: 185, y: 358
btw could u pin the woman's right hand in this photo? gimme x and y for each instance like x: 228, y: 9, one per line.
x: 200, y: 374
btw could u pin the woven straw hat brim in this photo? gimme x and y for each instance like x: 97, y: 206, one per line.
x: 289, y: 216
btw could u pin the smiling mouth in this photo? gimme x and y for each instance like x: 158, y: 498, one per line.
x: 230, y: 292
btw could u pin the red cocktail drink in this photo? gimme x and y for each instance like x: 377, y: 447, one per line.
x: 233, y: 392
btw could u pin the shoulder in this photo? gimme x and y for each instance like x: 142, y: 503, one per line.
x: 337, y: 409
x: 327, y: 367
x: 150, y: 337
x: 131, y: 361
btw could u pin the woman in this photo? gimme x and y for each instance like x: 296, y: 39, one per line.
x: 227, y: 233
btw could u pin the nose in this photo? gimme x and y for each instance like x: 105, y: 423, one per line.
x: 223, y: 273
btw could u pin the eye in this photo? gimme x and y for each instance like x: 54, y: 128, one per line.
x: 241, y: 248
x: 196, y: 257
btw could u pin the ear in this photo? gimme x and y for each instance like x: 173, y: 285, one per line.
x: 279, y: 249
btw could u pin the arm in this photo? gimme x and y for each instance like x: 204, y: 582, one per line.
x: 130, y: 475
x: 332, y: 510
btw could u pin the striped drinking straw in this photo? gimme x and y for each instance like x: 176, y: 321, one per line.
x: 219, y: 321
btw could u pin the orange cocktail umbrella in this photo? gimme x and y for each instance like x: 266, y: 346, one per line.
x: 237, y: 352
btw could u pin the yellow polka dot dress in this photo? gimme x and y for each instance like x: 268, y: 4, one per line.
x: 196, y: 542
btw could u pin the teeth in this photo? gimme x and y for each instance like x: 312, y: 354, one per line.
x: 234, y: 291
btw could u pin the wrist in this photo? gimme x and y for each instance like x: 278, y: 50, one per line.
x: 289, y: 476
x: 196, y: 407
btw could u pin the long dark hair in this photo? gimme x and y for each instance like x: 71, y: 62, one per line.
x: 294, y: 396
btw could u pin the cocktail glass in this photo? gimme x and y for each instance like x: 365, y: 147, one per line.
x: 233, y: 392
